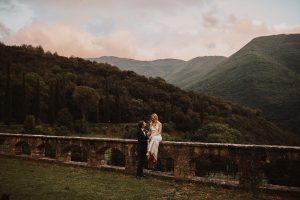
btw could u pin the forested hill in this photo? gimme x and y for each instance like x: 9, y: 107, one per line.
x: 263, y: 74
x: 194, y: 70
x: 55, y: 88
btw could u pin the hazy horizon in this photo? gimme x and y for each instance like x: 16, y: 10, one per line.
x: 144, y: 30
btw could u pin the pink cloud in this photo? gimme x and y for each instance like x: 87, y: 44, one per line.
x: 4, y: 31
x: 67, y: 40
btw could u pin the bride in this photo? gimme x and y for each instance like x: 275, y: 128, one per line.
x: 154, y: 137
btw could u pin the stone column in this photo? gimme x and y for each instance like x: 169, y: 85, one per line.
x: 60, y: 155
x: 249, y: 166
x: 130, y: 158
x: 183, y: 167
x: 92, y: 158
x: 13, y: 149
x: 37, y: 153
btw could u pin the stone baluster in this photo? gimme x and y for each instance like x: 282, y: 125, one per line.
x: 249, y: 165
x: 37, y: 152
x: 130, y: 158
x: 92, y: 158
x: 60, y: 155
x: 183, y: 167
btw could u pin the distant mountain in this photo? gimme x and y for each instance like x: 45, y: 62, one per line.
x: 264, y: 74
x: 156, y: 68
x: 193, y: 70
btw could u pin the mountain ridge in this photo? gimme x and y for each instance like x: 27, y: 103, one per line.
x: 265, y: 73
x: 152, y: 68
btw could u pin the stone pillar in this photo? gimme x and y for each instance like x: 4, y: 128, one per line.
x: 92, y: 158
x: 249, y: 166
x: 130, y: 158
x: 183, y: 167
x: 37, y: 153
x: 62, y: 156
x: 13, y: 149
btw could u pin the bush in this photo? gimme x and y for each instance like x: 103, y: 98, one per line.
x: 29, y: 124
x: 130, y: 132
x: 168, y: 137
x: 65, y: 118
x: 39, y: 129
x: 81, y: 126
x: 168, y: 127
x: 61, y: 130
x: 222, y: 133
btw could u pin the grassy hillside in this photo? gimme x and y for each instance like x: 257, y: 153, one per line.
x: 264, y: 74
x: 69, y: 92
x: 30, y: 180
x: 156, y: 68
x: 193, y: 71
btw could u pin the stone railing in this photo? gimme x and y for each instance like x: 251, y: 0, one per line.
x: 249, y: 159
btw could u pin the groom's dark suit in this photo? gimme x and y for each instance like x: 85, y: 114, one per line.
x: 142, y: 138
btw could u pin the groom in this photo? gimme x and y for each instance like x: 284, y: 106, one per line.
x: 142, y: 138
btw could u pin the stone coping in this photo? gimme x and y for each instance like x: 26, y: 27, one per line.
x: 193, y: 144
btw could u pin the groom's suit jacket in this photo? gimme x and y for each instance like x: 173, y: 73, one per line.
x: 142, y: 140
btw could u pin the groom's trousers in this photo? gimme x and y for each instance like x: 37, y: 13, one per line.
x: 142, y: 150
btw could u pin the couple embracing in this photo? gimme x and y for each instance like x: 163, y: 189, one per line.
x: 148, y: 143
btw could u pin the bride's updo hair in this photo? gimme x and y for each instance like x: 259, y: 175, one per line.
x: 154, y: 116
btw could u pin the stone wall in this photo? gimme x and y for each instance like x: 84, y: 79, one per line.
x: 249, y: 159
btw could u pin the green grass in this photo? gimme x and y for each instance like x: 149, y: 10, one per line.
x: 25, y: 179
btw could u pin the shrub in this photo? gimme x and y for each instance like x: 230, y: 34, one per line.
x: 65, y: 118
x: 222, y: 133
x: 29, y: 124
x: 130, y: 132
x: 168, y: 127
x: 81, y: 126
x: 61, y: 130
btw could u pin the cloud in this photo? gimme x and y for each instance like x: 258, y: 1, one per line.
x: 15, y: 15
x: 138, y: 29
x: 4, y: 31
x: 67, y: 40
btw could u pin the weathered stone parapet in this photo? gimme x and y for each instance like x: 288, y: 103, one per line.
x: 250, y: 159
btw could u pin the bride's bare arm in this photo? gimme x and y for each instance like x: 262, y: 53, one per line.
x: 159, y: 128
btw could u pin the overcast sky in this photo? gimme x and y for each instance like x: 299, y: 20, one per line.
x: 144, y: 29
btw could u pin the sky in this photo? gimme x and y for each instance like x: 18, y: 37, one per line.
x: 144, y: 29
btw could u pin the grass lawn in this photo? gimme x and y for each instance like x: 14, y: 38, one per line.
x: 25, y: 179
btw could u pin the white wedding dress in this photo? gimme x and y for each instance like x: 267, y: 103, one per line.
x: 153, y: 145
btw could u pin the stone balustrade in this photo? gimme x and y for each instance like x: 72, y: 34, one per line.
x: 250, y: 159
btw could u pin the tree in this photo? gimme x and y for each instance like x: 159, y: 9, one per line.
x: 29, y: 124
x: 37, y: 101
x: 222, y: 133
x: 24, y: 100
x: 86, y: 99
x: 64, y: 118
x: 8, y: 98
x: 51, y: 106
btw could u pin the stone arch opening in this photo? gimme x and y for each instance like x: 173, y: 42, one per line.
x: 165, y: 163
x: 49, y: 151
x: 23, y: 148
x: 282, y: 172
x: 4, y: 146
x: 78, y: 154
x: 111, y: 156
x: 216, y: 167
